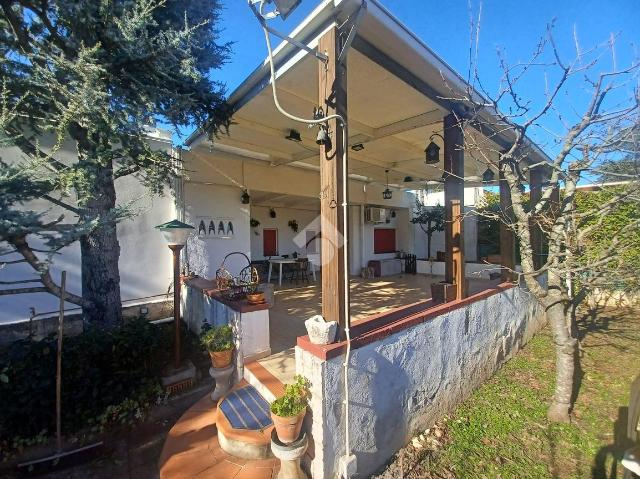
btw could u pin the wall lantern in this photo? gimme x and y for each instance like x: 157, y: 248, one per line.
x: 294, y: 135
x: 387, y: 193
x: 245, y: 198
x: 432, y: 151
x: 488, y: 176
x: 323, y: 136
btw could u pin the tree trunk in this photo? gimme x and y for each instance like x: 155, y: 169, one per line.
x: 428, y: 246
x: 100, y: 252
x: 566, y: 351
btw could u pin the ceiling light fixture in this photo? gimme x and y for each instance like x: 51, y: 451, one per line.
x: 387, y: 193
x: 294, y: 135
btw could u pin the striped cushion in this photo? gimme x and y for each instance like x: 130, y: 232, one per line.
x: 245, y: 408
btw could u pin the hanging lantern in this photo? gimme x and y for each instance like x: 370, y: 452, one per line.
x: 245, y: 198
x: 387, y: 193
x: 432, y: 154
x: 432, y: 151
x: 488, y: 176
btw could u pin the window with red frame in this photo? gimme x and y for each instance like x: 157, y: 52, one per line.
x: 384, y: 240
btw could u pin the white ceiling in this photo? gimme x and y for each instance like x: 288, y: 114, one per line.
x: 392, y: 120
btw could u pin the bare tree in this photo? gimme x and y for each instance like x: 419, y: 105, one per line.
x: 586, y: 120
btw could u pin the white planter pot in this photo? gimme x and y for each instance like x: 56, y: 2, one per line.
x: 321, y: 331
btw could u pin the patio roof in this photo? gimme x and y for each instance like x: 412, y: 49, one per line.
x: 397, y: 100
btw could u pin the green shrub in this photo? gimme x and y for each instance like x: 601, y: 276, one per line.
x: 294, y: 400
x: 109, y: 377
x: 218, y: 338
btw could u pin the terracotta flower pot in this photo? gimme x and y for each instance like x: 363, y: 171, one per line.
x: 288, y: 428
x: 221, y: 359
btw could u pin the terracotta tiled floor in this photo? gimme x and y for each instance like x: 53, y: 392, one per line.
x: 192, y: 450
x: 294, y: 304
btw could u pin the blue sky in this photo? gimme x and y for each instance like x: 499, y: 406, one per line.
x: 512, y: 25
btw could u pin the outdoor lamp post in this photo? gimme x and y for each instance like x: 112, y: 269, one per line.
x: 175, y: 234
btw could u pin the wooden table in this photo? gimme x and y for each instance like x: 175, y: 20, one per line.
x: 282, y: 261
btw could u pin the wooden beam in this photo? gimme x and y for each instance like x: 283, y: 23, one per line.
x: 454, y: 205
x: 332, y: 96
x: 507, y: 236
x: 385, y: 61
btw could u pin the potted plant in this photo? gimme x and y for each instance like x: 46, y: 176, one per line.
x: 293, y: 224
x: 288, y: 411
x: 218, y: 340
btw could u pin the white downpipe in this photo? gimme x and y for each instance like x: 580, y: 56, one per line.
x: 345, y: 205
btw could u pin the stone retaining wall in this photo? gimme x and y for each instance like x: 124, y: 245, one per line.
x: 404, y: 381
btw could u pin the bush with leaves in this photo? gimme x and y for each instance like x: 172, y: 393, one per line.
x: 109, y: 377
x: 294, y: 400
x: 217, y: 338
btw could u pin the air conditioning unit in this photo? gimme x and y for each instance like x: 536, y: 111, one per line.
x: 375, y: 215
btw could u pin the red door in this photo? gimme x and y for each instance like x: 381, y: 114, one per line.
x: 269, y: 242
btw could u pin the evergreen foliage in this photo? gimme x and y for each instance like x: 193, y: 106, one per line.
x: 94, y: 77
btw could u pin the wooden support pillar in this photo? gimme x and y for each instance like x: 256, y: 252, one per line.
x: 333, y: 99
x: 454, y: 204
x: 507, y: 237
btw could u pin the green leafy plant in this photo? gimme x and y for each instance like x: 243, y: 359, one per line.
x: 294, y: 400
x: 105, y: 373
x: 293, y: 224
x: 430, y: 219
x: 218, y: 338
x: 254, y: 223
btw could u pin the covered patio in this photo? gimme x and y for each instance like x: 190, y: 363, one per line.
x: 408, y: 127
x: 369, y: 297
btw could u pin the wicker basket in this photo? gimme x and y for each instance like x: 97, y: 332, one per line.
x: 237, y: 287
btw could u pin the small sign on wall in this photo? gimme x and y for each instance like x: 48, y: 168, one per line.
x: 215, y: 227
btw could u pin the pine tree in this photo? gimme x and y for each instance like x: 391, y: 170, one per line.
x: 95, y: 74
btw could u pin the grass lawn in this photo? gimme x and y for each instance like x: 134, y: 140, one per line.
x: 501, y: 431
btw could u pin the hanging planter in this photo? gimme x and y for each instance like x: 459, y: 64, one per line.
x: 254, y: 223
x: 293, y: 224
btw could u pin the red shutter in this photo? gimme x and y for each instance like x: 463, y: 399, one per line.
x: 270, y: 242
x: 384, y: 240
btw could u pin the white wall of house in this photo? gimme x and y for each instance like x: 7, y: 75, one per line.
x: 145, y: 261
x: 288, y: 240
x: 437, y: 240
x: 404, y: 382
x: 472, y: 196
x: 205, y: 256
